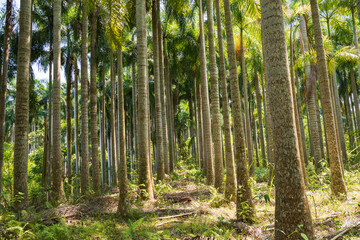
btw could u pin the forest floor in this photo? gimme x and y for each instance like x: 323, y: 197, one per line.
x: 185, y: 208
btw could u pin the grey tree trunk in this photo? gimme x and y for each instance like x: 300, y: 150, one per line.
x: 113, y: 122
x: 22, y: 108
x: 143, y: 109
x: 3, y: 83
x: 259, y: 111
x: 93, y: 104
x: 85, y: 179
x: 123, y: 181
x: 208, y: 154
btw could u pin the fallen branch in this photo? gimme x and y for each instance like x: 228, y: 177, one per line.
x: 171, y: 221
x: 345, y: 231
x: 179, y: 215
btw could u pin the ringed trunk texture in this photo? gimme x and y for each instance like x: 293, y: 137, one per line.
x: 85, y: 179
x: 208, y: 156
x: 291, y: 209
x: 337, y: 179
x: 215, y: 102
x: 143, y: 109
x: 113, y: 122
x: 261, y: 127
x: 57, y: 186
x: 244, y: 205
x: 22, y: 108
x: 93, y: 105
x: 158, y: 107
x: 3, y: 84
x: 230, y: 185
x: 123, y: 181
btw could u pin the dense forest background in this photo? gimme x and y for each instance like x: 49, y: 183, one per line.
x: 180, y: 119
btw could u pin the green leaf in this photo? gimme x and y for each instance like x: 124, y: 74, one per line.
x: 304, y: 236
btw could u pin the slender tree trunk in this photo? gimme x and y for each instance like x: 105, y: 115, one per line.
x: 311, y: 99
x: 297, y: 122
x: 113, y: 122
x: 201, y: 131
x: 259, y: 111
x: 143, y: 109
x: 337, y: 178
x: 246, y: 108
x: 230, y: 185
x: 339, y: 118
x: 134, y: 97
x: 168, y: 86
x: 22, y: 107
x: 163, y: 99
x: 76, y: 127
x: 291, y: 208
x: 103, y: 132
x: 85, y: 179
x: 356, y: 99
x: 208, y: 156
x: 301, y: 121
x: 68, y: 120
x: 350, y: 126
x: 215, y: 102
x: 243, y: 194
x: 50, y: 132
x: 45, y: 160
x: 158, y: 96
x: 254, y: 135
x: 123, y: 181
x: 3, y: 83
x: 57, y: 187
x: 93, y: 104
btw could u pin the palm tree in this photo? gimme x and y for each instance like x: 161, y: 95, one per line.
x: 230, y: 186
x: 244, y: 205
x: 93, y: 104
x: 22, y: 107
x: 113, y: 131
x: 158, y: 96
x: 123, y: 182
x: 291, y: 208
x: 337, y: 179
x: 143, y: 109
x: 85, y: 179
x: 3, y: 83
x: 57, y: 187
x: 208, y: 156
x: 259, y: 109
x: 215, y: 103
x: 311, y: 91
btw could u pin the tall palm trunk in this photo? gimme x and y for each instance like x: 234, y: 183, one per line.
x: 163, y: 99
x: 22, y: 107
x: 113, y: 129
x: 123, y: 181
x: 311, y: 91
x: 243, y: 194
x: 337, y: 178
x: 103, y: 123
x: 76, y: 120
x: 297, y: 121
x: 168, y: 86
x: 93, y: 105
x: 215, y: 102
x: 158, y: 96
x: 57, y: 187
x: 85, y: 179
x: 3, y: 84
x: 249, y: 142
x: 143, y: 109
x: 291, y: 208
x: 230, y: 185
x: 349, y: 120
x: 339, y: 121
x: 68, y: 117
x: 259, y: 111
x: 356, y: 99
x: 208, y: 156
